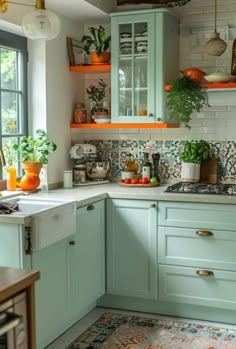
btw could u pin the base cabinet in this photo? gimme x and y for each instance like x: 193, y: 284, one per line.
x: 132, y: 248
x: 55, y: 296
x: 90, y: 254
x: 196, y: 254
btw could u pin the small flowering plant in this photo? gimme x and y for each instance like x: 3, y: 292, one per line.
x: 97, y: 93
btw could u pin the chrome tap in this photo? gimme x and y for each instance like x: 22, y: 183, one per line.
x: 2, y: 157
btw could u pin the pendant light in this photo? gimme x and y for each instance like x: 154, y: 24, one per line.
x: 39, y: 24
x: 215, y: 46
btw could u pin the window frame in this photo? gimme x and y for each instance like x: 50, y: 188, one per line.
x: 18, y: 43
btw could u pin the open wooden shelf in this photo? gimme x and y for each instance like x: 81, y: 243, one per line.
x: 213, y: 85
x: 91, y: 68
x: 122, y: 125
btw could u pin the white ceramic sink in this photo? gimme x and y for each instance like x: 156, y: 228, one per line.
x: 32, y: 205
x: 51, y: 220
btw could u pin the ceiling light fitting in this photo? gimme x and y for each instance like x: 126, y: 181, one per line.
x: 215, y: 46
x: 39, y: 24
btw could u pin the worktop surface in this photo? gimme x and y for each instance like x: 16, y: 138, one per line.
x: 85, y: 195
x: 13, y: 281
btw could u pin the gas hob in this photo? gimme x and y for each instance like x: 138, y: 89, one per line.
x: 202, y: 188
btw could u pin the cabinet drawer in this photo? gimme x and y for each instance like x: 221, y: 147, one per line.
x: 183, y: 246
x: 197, y: 215
x: 184, y: 285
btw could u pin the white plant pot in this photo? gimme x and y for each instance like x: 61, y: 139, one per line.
x: 190, y: 172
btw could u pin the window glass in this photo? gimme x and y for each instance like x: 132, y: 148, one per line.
x: 13, y: 90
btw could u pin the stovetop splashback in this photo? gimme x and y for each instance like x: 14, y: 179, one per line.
x: 170, y: 150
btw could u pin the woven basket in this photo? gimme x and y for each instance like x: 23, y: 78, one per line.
x: 215, y: 46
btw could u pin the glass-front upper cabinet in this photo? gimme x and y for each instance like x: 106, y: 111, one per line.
x: 134, y: 67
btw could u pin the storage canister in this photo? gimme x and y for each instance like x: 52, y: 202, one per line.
x: 79, y: 113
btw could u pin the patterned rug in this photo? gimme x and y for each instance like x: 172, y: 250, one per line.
x: 118, y: 331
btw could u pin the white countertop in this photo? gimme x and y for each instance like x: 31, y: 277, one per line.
x: 85, y: 195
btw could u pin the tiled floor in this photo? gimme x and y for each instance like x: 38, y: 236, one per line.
x: 83, y: 324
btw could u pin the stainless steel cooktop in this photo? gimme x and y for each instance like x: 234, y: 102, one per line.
x: 202, y: 188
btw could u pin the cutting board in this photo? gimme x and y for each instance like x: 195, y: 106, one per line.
x: 208, y: 171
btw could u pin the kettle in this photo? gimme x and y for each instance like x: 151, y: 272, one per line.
x: 194, y: 73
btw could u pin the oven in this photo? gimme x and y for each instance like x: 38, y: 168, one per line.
x: 13, y: 323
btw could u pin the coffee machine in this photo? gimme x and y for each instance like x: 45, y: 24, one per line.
x: 88, y: 169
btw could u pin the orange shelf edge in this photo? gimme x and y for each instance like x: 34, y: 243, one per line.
x: 213, y: 85
x: 122, y: 125
x: 90, y: 68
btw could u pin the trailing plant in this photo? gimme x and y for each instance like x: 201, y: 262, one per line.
x: 35, y: 149
x: 196, y: 152
x: 98, y: 41
x: 185, y: 97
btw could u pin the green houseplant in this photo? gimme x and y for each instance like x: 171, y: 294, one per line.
x: 193, y: 154
x: 185, y: 96
x: 97, y: 44
x: 33, y: 153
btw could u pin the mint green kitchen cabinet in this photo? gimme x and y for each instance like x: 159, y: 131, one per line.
x: 55, y: 291
x: 132, y: 248
x: 196, y: 254
x: 144, y: 58
x: 90, y: 254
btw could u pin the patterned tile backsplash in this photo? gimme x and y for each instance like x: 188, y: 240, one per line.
x: 170, y: 164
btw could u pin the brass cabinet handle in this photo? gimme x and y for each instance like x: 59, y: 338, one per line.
x: 90, y: 207
x: 152, y: 206
x: 72, y: 243
x: 204, y: 273
x: 204, y: 233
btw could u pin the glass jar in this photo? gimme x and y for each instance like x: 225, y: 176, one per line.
x: 79, y: 113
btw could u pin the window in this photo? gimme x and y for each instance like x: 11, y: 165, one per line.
x: 13, y: 88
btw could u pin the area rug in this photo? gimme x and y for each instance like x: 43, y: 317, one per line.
x: 119, y: 331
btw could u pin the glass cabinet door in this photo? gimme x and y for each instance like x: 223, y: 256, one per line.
x: 134, y: 72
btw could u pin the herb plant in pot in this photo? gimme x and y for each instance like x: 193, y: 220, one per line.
x: 34, y: 153
x: 185, y: 97
x: 97, y: 44
x: 193, y: 154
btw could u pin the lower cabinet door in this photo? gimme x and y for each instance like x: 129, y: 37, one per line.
x: 132, y: 248
x: 54, y: 290
x: 212, y: 288
x: 90, y: 253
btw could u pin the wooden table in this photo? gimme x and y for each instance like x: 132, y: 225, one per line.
x: 14, y: 281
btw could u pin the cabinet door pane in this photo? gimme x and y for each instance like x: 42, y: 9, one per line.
x: 140, y: 85
x: 133, y: 90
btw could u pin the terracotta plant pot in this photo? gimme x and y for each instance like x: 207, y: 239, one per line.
x: 104, y: 58
x: 34, y: 167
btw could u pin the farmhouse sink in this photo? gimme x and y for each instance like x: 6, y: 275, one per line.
x: 50, y: 222
x: 32, y: 205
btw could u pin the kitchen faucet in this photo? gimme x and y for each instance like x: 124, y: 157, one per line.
x: 2, y: 157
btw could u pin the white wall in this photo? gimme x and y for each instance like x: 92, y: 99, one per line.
x: 217, y: 122
x: 52, y: 88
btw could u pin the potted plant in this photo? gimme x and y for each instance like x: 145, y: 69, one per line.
x: 185, y: 96
x: 97, y: 94
x: 97, y: 44
x: 33, y: 153
x: 193, y: 154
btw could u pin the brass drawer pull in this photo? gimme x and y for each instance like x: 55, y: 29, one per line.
x: 152, y: 206
x: 204, y: 233
x: 205, y: 273
x: 90, y: 207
